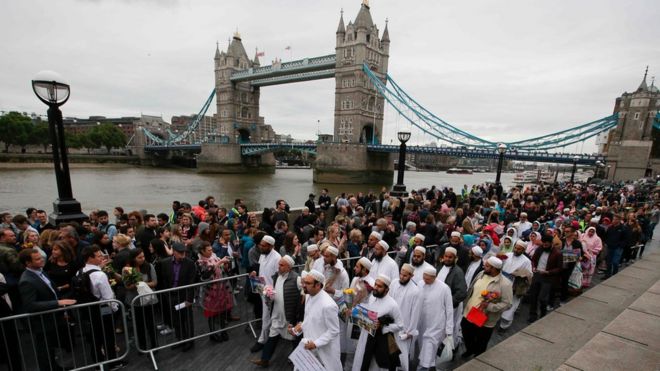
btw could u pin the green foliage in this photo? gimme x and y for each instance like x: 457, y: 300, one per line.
x: 41, y: 135
x: 15, y: 129
x: 106, y: 135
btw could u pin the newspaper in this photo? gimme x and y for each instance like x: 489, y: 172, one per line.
x: 364, y: 318
x: 258, y: 283
x: 304, y: 359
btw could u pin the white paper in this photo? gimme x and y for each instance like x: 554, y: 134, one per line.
x: 180, y: 306
x: 305, y: 360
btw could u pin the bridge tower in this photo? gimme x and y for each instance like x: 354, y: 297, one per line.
x: 358, y: 107
x: 629, y: 145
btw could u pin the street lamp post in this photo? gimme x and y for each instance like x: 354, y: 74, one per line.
x: 399, y: 189
x: 607, y: 176
x: 50, y: 89
x: 501, y: 148
x: 575, y: 161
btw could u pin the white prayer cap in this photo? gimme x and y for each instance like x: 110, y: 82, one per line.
x: 431, y: 271
x: 476, y: 250
x: 384, y: 279
x: 269, y: 240
x: 376, y: 235
x: 312, y: 247
x: 409, y: 268
x: 451, y: 250
x: 317, y: 275
x: 521, y: 243
x: 420, y: 236
x: 566, y: 209
x: 364, y: 262
x: 332, y: 250
x: 289, y: 260
x: 369, y: 280
x: 420, y: 249
x: 495, y: 262
x: 523, y: 214
x: 384, y: 245
x: 410, y: 224
x: 456, y: 234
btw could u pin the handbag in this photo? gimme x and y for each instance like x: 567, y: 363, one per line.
x: 144, y: 289
x: 477, y: 317
x: 575, y: 280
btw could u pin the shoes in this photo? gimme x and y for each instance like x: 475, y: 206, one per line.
x: 166, y: 331
x: 187, y: 346
x: 260, y: 362
x: 216, y: 338
x: 466, y: 355
x: 224, y: 336
x: 256, y: 347
x: 119, y: 330
x: 531, y: 320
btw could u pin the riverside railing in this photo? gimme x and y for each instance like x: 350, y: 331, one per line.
x: 76, y: 337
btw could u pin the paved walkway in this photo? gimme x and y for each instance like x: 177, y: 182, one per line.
x: 613, y: 326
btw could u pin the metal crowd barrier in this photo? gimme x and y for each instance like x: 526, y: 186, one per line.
x: 77, y: 337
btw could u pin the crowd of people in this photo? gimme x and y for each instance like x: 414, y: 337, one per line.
x: 437, y: 269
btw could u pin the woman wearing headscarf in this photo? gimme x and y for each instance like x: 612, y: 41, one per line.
x: 533, y: 244
x: 592, y: 246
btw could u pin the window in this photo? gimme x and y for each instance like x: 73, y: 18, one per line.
x: 347, y: 104
x: 346, y: 126
x: 636, y: 116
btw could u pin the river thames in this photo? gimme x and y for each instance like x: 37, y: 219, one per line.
x: 154, y: 189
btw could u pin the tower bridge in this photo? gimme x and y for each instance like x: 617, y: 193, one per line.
x: 244, y: 142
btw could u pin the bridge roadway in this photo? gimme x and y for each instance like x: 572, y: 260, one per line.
x: 253, y: 149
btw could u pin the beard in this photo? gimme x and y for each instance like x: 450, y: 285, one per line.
x: 517, y: 254
x: 378, y: 258
x: 377, y: 294
x: 404, y: 283
x: 416, y: 264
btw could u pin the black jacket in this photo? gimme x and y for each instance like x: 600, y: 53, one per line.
x: 456, y: 282
x: 294, y: 308
x: 187, y: 276
x: 35, y: 293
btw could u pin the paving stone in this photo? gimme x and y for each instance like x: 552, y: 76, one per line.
x: 477, y: 365
x: 547, y: 356
x: 636, y: 326
x: 655, y: 288
x: 648, y: 302
x: 608, y: 352
x: 566, y: 367
x: 590, y: 310
x: 628, y: 283
x: 557, y: 327
x: 645, y: 275
x: 615, y: 297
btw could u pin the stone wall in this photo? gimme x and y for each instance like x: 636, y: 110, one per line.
x: 352, y: 164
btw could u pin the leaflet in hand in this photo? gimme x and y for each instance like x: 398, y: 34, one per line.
x: 364, y: 318
x: 258, y: 283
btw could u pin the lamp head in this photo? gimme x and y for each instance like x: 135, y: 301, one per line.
x: 501, y: 148
x: 576, y: 158
x: 50, y: 88
x: 403, y: 136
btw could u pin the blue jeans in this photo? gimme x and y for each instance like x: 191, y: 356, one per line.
x: 613, y: 260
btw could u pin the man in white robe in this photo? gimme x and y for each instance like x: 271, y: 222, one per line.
x: 319, y: 263
x: 436, y: 322
x: 407, y: 294
x: 384, y: 305
x: 361, y: 285
x: 515, y: 265
x: 420, y: 264
x: 476, y: 264
x: 320, y: 329
x: 268, y: 265
x: 382, y: 263
x: 336, y: 277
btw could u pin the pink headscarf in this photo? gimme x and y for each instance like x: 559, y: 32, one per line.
x: 592, y: 245
x: 531, y: 246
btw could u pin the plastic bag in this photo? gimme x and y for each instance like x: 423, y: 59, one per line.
x: 446, y: 356
x: 142, y: 289
x: 575, y: 280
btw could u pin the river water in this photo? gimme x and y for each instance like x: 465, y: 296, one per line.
x: 154, y: 189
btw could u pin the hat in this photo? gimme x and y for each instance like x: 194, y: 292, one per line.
x: 311, y: 195
x: 386, y: 280
x: 201, y: 227
x: 420, y: 249
x: 575, y: 224
x: 332, y: 250
x: 431, y: 271
x: 420, y: 236
x: 606, y: 220
x: 476, y: 250
x: 468, y: 239
x: 410, y: 224
x: 317, y: 275
x: 364, y: 262
x: 312, y: 247
x: 456, y: 234
x: 376, y: 235
x: 523, y: 214
x: 384, y: 245
x: 179, y: 247
x: 451, y: 250
x: 495, y: 262
x: 269, y: 240
x: 289, y: 260
x: 409, y: 268
x: 521, y: 243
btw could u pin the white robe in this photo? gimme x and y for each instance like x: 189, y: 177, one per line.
x: 319, y: 264
x: 347, y: 344
x: 321, y: 325
x: 471, y: 270
x: 268, y: 265
x: 511, y: 264
x: 382, y: 306
x: 386, y: 266
x: 409, y: 299
x: 419, y: 272
x: 436, y: 320
x: 341, y: 280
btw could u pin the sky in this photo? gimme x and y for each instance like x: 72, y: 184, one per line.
x: 503, y: 70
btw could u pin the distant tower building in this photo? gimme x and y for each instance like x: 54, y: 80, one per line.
x: 358, y: 107
x: 629, y: 144
x: 237, y: 114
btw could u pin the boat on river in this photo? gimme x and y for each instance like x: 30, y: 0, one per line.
x: 455, y: 170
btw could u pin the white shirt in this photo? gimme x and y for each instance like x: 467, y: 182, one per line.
x: 340, y: 281
x: 419, y: 272
x: 471, y: 270
x: 101, y: 287
x: 321, y: 325
x: 319, y: 264
x: 436, y: 320
x: 409, y: 299
x: 386, y: 266
x: 513, y: 263
x: 268, y: 264
x: 444, y: 271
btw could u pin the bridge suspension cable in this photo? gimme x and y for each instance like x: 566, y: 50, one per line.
x: 438, y: 128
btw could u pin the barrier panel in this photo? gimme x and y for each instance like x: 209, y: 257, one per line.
x: 74, y: 338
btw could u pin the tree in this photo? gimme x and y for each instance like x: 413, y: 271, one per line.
x: 108, y: 136
x: 15, y: 129
x: 40, y: 134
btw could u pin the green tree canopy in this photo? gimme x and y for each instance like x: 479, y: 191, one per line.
x: 106, y: 135
x: 15, y: 129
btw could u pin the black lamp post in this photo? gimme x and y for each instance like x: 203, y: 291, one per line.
x: 501, y: 148
x: 575, y: 161
x: 50, y: 89
x: 399, y: 189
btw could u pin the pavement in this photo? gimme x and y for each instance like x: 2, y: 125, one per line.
x: 615, y: 325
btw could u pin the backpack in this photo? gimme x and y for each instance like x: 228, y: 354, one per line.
x: 81, y: 286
